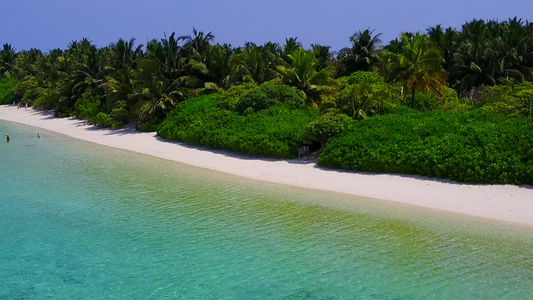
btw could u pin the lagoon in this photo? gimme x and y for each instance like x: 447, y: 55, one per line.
x: 80, y: 220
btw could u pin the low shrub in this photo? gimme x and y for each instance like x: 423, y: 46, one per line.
x: 150, y: 125
x: 120, y: 113
x: 360, y: 77
x: 232, y: 95
x: 370, y: 99
x: 267, y: 95
x: 473, y: 147
x: 104, y: 119
x: 325, y: 127
x: 511, y: 100
x: 48, y: 98
x: 276, y: 131
x: 426, y: 101
x: 7, y: 86
x: 87, y: 107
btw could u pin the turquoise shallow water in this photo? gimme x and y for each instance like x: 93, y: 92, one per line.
x: 82, y: 221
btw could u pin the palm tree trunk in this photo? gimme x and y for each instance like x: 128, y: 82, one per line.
x: 413, y: 97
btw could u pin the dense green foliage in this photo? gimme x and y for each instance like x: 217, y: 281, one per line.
x: 268, y: 95
x: 151, y: 80
x: 7, y: 86
x: 360, y: 77
x: 509, y: 99
x: 325, y: 127
x: 475, y: 147
x: 276, y: 131
x: 269, y: 99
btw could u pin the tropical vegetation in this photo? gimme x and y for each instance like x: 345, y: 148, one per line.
x: 448, y: 102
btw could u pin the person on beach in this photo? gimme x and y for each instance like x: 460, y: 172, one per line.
x: 7, y: 138
x: 38, y: 135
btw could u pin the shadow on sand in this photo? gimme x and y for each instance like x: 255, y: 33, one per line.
x: 130, y: 129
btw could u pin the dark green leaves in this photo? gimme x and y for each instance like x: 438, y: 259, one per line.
x: 474, y: 147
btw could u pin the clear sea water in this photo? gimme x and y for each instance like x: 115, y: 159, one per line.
x: 83, y: 221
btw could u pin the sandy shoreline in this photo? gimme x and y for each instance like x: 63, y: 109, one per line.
x: 498, y: 202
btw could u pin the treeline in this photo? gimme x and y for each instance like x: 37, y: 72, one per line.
x: 270, y: 99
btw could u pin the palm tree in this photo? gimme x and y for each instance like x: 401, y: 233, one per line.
x: 89, y: 75
x: 7, y: 60
x: 476, y: 68
x: 362, y: 55
x: 198, y: 44
x: 165, y: 57
x: 25, y: 61
x: 418, y: 66
x: 291, y: 45
x: 158, y: 78
x: 514, y: 51
x: 255, y: 63
x: 153, y: 99
x: 121, y: 85
x: 218, y: 63
x: 447, y: 40
x: 323, y: 56
x: 124, y: 54
x: 301, y: 72
x: 360, y: 96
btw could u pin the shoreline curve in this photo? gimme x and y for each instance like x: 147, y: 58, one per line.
x: 508, y: 203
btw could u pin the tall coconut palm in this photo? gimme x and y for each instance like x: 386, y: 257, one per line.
x: 125, y: 55
x: 157, y: 78
x: 447, y: 40
x: 301, y: 72
x: 419, y: 67
x: 218, y: 63
x: 362, y: 55
x: 120, y: 80
x: 255, y: 63
x: 515, y: 52
x: 165, y: 57
x: 198, y: 44
x: 7, y: 60
x: 291, y: 45
x: 323, y: 55
x: 25, y: 61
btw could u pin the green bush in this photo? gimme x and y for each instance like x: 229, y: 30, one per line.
x: 473, y: 147
x: 87, y: 106
x: 426, y: 101
x: 450, y: 95
x: 47, y: 99
x: 267, y: 95
x: 461, y: 105
x: 255, y: 100
x: 7, y: 86
x: 104, y: 119
x: 120, y: 113
x: 232, y: 95
x: 360, y: 77
x: 28, y: 90
x: 150, y: 125
x: 325, y: 127
x: 525, y: 102
x: 276, y: 131
x: 511, y: 100
x: 382, y: 98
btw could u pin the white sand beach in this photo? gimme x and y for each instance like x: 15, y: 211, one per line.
x: 506, y: 203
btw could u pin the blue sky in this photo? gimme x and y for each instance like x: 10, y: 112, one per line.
x: 54, y: 23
